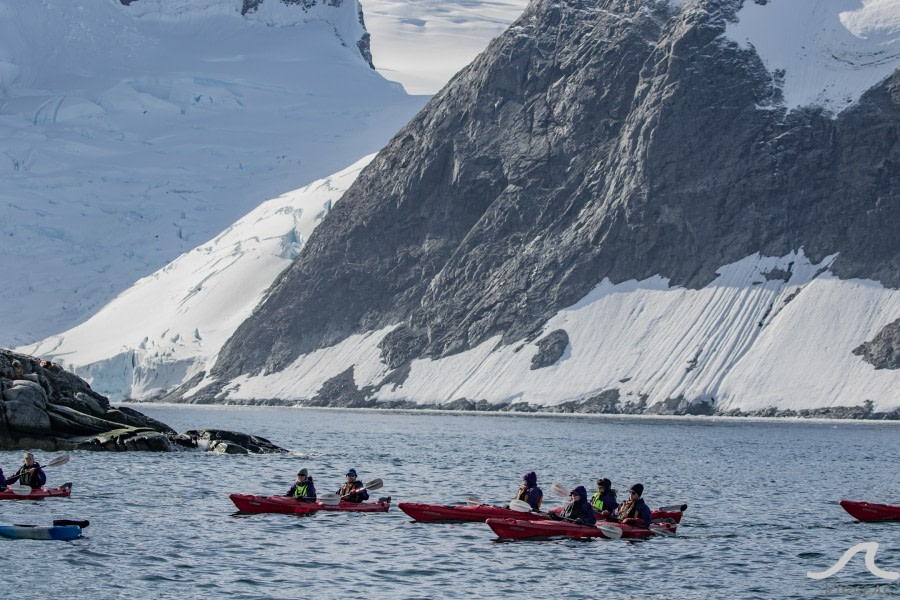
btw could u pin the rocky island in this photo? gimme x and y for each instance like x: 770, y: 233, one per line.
x: 44, y: 406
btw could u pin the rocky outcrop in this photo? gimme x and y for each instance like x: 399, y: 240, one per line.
x: 883, y: 352
x: 43, y: 406
x: 594, y: 139
x: 550, y: 349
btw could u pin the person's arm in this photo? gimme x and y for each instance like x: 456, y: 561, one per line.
x: 645, y: 515
x: 15, y: 477
x: 291, y: 491
x: 42, y: 477
x: 311, y: 491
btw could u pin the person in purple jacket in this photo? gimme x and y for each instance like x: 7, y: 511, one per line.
x: 634, y: 511
x: 530, y: 492
x: 2, y: 481
x: 579, y: 510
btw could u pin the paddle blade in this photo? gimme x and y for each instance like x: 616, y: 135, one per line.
x: 663, y: 531
x: 19, y: 490
x: 58, y: 461
x: 610, y: 531
x: 329, y: 499
x: 520, y: 506
x: 374, y: 484
x: 473, y: 501
x: 559, y: 490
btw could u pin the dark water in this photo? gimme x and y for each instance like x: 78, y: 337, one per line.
x: 762, y: 511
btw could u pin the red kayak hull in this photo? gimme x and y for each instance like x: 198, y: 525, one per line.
x: 62, y: 491
x: 868, y: 512
x: 434, y: 513
x: 517, y: 529
x: 290, y: 506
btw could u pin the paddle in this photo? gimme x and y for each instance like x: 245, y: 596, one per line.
x: 23, y: 490
x: 473, y: 501
x: 335, y: 499
x: 610, y: 531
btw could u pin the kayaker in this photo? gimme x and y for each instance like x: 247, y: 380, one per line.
x: 30, y: 473
x: 303, y: 489
x: 604, y: 499
x: 530, y: 492
x: 579, y: 509
x: 634, y: 510
x: 347, y: 492
x: 2, y: 481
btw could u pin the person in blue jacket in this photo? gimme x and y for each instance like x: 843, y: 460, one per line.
x: 30, y: 473
x: 303, y: 489
x: 604, y: 499
x: 634, y: 511
x: 530, y: 492
x: 348, y: 491
x: 579, y: 510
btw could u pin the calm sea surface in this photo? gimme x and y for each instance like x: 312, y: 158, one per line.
x: 762, y: 510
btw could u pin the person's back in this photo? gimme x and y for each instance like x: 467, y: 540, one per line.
x: 529, y: 491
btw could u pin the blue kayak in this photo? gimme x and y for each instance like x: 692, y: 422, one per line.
x: 60, y: 530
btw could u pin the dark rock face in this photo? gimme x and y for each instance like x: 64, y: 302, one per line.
x: 550, y: 349
x: 43, y: 406
x: 593, y: 139
x: 883, y: 352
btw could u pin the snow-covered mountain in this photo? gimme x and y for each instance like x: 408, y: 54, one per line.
x: 620, y: 206
x: 131, y: 133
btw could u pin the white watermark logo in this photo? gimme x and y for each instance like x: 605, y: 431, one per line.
x: 870, y: 548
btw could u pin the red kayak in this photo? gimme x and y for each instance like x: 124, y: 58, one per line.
x: 868, y: 512
x: 62, y: 491
x: 290, y: 506
x: 433, y: 513
x: 517, y: 529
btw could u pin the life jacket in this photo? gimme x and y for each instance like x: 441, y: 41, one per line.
x: 347, y: 490
x: 597, y: 502
x: 26, y: 478
x: 301, y: 490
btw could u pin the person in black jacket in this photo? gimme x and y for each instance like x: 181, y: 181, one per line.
x: 30, y: 474
x: 634, y: 511
x: 579, y: 510
x: 303, y: 489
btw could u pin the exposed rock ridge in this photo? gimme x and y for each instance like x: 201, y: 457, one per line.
x: 883, y: 352
x: 593, y: 139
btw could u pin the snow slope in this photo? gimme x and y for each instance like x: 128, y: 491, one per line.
x: 746, y: 341
x: 171, y: 324
x: 830, y: 51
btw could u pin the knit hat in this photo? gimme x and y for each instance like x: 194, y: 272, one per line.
x: 604, y: 483
x: 303, y: 471
x: 530, y: 478
x: 639, y: 488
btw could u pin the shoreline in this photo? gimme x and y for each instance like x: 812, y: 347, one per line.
x: 534, y: 414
